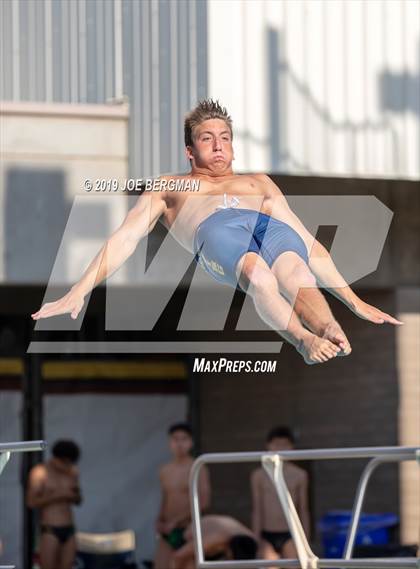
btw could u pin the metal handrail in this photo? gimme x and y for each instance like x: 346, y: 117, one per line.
x: 307, y: 559
x: 26, y: 446
x: 6, y: 449
x: 358, y: 502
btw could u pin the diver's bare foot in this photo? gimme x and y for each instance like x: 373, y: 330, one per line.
x: 334, y: 333
x: 316, y: 350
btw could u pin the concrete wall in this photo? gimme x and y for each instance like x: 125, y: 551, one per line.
x: 48, y: 151
x: 408, y: 357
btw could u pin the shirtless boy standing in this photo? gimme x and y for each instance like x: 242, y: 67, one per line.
x: 268, y: 520
x: 53, y: 488
x: 175, y: 512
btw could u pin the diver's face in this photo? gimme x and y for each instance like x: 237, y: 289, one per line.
x: 212, y: 148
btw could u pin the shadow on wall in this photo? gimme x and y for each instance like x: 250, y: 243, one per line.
x: 36, y: 214
x: 398, y: 93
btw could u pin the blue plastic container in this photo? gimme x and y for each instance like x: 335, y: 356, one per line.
x: 373, y: 529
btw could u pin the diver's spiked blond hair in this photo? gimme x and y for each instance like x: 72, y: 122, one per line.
x: 206, y: 109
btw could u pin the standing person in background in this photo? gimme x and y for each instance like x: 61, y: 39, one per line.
x: 268, y: 520
x: 53, y: 488
x: 175, y: 513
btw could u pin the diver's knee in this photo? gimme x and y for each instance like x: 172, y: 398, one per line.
x: 298, y: 276
x: 259, y: 278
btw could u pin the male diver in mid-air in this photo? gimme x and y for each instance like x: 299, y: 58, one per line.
x: 244, y: 234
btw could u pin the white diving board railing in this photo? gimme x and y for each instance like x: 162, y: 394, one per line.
x: 7, y: 449
x: 273, y: 462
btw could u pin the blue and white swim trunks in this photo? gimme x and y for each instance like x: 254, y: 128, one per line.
x: 226, y: 235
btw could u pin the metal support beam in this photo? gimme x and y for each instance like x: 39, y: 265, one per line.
x: 360, y: 495
x: 6, y: 450
x: 32, y: 429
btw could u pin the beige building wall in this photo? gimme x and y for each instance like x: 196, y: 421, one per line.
x: 64, y: 145
x: 408, y: 341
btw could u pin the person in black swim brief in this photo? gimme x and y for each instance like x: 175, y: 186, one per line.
x: 268, y: 519
x: 277, y: 539
x: 53, y: 488
x: 62, y: 533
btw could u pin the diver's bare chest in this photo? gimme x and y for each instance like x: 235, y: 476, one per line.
x: 238, y: 186
x: 242, y: 185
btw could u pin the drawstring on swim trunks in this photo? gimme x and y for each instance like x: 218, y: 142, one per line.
x: 233, y: 202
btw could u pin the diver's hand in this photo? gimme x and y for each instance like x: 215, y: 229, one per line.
x: 71, y: 303
x: 368, y: 312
